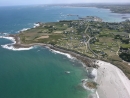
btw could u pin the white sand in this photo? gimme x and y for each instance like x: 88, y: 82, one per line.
x: 112, y: 81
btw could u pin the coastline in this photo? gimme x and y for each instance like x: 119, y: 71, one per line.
x: 86, y: 61
x: 100, y: 7
x: 20, y: 46
x: 112, y: 81
x: 16, y: 45
x: 102, y: 70
x: 88, y: 64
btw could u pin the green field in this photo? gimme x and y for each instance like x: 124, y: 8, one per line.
x: 100, y: 40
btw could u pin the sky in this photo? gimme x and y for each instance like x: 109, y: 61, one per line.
x: 30, y: 2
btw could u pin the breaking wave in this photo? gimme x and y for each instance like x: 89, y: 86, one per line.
x: 10, y: 46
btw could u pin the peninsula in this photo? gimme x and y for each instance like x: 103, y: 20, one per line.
x: 87, y: 39
x: 88, y: 36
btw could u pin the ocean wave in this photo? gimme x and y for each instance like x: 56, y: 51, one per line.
x: 36, y: 25
x: 84, y: 81
x: 66, y: 54
x: 84, y: 84
x: 3, y: 34
x: 9, y: 38
x: 97, y: 94
x: 94, y: 73
x: 24, y: 29
x: 94, y: 95
x: 10, y: 46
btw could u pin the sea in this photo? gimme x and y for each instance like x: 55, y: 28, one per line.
x: 39, y: 72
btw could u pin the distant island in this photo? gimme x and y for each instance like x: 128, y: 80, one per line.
x: 123, y: 9
x: 115, y: 8
x: 89, y: 37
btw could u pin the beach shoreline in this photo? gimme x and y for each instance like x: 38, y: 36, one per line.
x: 112, y: 81
x: 102, y: 71
x: 86, y: 61
x: 17, y: 45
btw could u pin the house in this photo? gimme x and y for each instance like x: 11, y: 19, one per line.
x: 92, y: 18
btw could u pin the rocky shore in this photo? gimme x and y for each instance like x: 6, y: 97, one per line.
x: 86, y: 60
x: 107, y: 78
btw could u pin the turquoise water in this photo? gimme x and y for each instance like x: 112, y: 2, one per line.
x: 39, y: 73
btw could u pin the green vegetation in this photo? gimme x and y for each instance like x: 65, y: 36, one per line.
x: 100, y: 40
x: 115, y: 8
x: 125, y: 45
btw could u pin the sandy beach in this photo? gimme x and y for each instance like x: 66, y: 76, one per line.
x: 112, y: 81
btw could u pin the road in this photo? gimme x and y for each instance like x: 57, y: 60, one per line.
x: 88, y: 41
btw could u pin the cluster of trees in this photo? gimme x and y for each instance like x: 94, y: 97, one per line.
x: 123, y: 40
x: 125, y: 56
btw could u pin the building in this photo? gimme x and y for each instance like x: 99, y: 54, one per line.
x: 93, y: 18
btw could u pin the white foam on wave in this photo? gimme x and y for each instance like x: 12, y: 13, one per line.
x: 97, y: 94
x: 36, y: 25
x: 87, y: 88
x: 84, y: 84
x: 84, y: 81
x: 24, y: 29
x: 9, y: 38
x: 10, y: 46
x: 3, y: 34
x: 66, y: 54
x: 94, y: 73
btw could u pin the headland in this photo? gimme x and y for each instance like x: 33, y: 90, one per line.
x: 86, y: 39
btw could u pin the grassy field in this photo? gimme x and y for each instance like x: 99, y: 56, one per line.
x: 125, y: 45
x: 71, y: 35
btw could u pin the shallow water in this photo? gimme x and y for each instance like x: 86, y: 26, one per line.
x: 39, y: 73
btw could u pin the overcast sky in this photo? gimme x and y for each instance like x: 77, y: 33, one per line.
x: 30, y: 2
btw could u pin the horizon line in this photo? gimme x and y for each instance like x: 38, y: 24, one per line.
x: 106, y: 3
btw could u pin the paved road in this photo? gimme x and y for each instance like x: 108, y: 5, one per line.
x: 88, y: 42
